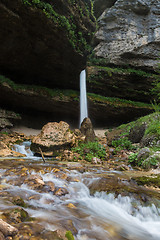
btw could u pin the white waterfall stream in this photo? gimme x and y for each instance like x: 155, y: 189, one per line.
x: 83, y: 97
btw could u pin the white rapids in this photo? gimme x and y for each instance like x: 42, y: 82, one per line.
x: 96, y: 217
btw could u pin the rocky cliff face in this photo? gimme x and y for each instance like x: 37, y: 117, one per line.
x: 45, y: 42
x: 44, y: 45
x: 129, y: 33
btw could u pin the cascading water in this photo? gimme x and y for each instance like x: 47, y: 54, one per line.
x: 83, y: 97
x: 98, y: 216
x: 24, y: 148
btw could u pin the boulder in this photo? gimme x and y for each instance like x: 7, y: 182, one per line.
x: 87, y: 130
x: 143, y: 154
x: 129, y: 33
x: 136, y: 133
x: 53, y: 137
x: 7, y: 119
x: 112, y: 135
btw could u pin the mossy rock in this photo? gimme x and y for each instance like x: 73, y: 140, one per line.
x: 17, y: 215
x: 153, y: 180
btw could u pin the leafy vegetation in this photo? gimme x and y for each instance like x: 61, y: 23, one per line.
x: 150, y: 162
x: 122, y: 143
x: 89, y: 150
x: 69, y: 235
x: 146, y: 163
x: 110, y: 70
x: 133, y: 159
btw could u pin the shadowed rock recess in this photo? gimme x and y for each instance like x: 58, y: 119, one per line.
x: 45, y: 42
x: 44, y: 46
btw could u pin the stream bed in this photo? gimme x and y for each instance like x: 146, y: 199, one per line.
x: 91, y: 202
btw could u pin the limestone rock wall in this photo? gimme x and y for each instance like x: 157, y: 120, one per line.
x: 129, y: 33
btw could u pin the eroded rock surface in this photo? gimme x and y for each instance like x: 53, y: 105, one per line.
x: 87, y: 130
x: 54, y: 136
x: 7, y: 118
x: 130, y: 33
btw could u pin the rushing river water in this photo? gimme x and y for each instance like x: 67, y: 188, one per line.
x: 89, y: 213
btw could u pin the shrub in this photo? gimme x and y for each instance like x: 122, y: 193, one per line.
x: 89, y: 150
x: 151, y: 161
x: 122, y: 143
x: 133, y: 159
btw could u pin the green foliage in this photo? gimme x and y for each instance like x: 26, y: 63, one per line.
x: 150, y: 162
x: 153, y: 128
x: 5, y: 133
x: 155, y: 91
x: 128, y: 70
x: 89, y: 150
x: 133, y: 159
x: 155, y: 106
x: 60, y: 93
x: 94, y: 60
x: 122, y: 143
x: 117, y: 101
x: 69, y: 235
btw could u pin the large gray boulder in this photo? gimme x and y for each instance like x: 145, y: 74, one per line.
x: 129, y: 33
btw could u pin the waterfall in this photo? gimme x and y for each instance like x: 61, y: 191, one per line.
x: 83, y: 97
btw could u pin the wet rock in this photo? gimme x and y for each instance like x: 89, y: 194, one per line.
x: 35, y: 182
x: 61, y: 175
x: 54, y: 136
x: 69, y: 156
x: 87, y: 130
x: 123, y: 167
x: 49, y: 186
x: 35, y: 197
x: 51, y: 235
x: 153, y: 180
x: 7, y: 229
x: 61, y: 191
x: 16, y: 215
x: 18, y: 201
x: 71, y: 205
x: 30, y: 230
x: 68, y: 224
